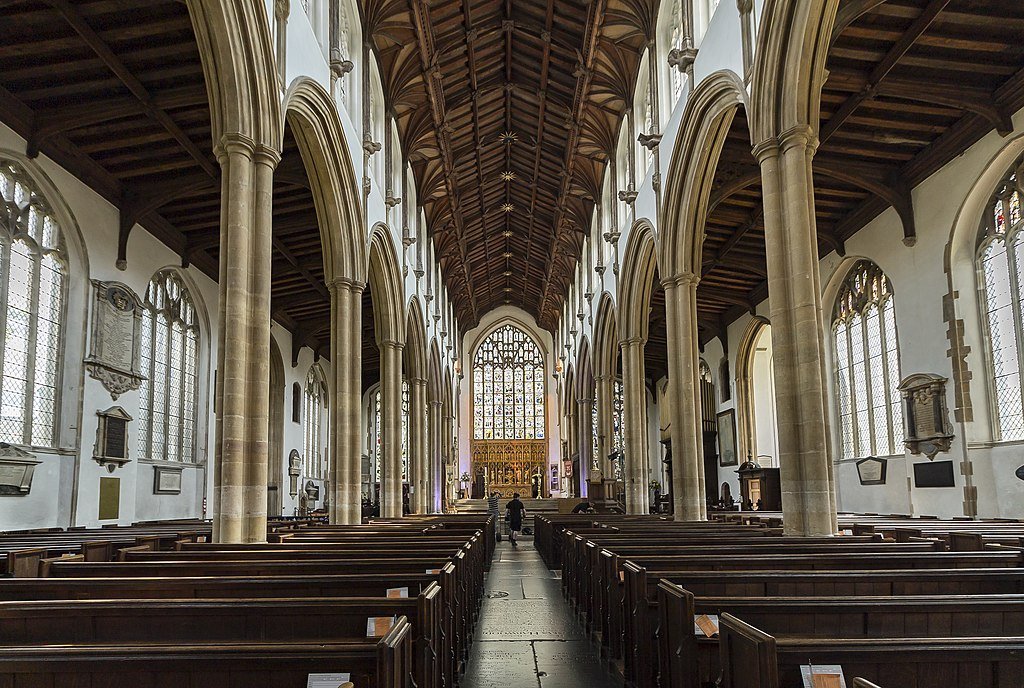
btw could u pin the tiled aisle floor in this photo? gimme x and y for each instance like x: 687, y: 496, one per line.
x: 528, y: 637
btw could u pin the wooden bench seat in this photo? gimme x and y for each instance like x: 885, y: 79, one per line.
x: 752, y: 658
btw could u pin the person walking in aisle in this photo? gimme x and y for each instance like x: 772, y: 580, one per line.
x: 492, y: 510
x: 514, y: 512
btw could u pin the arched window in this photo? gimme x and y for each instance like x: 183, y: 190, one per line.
x: 676, y: 43
x: 867, y: 365
x: 1001, y: 268
x: 33, y: 288
x: 313, y: 423
x: 170, y: 364
x: 508, y: 387
x: 296, y: 403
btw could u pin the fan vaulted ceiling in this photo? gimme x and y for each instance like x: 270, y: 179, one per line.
x: 508, y: 110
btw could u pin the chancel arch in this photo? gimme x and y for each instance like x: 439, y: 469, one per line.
x: 509, y: 410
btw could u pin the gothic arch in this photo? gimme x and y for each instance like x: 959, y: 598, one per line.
x: 606, y: 338
x: 238, y: 65
x: 638, y: 268
x: 415, y: 351
x: 705, y: 125
x: 384, y: 275
x: 789, y: 67
x: 746, y: 428
x: 314, y: 121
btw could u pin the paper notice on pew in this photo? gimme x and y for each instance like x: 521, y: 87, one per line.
x: 326, y: 680
x: 378, y: 626
x: 433, y: 572
x: 398, y: 592
x: 706, y: 624
x: 822, y: 676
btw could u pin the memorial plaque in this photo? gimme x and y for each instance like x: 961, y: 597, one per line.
x: 112, y: 438
x: 110, y: 498
x: 114, y: 346
x: 16, y: 469
x: 166, y: 480
x: 871, y: 470
x: 928, y: 430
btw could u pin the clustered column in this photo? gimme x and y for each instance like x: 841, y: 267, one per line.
x: 418, y: 467
x: 634, y: 398
x: 243, y: 352
x: 794, y: 298
x: 391, y: 429
x: 684, y: 390
x: 346, y: 428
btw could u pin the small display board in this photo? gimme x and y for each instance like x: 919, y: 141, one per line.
x: 326, y: 680
x: 822, y: 676
x: 378, y: 626
x: 110, y: 498
x: 398, y: 592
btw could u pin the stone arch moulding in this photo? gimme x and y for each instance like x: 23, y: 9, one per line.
x: 315, y: 123
x: 238, y: 63
x: 789, y: 67
x: 606, y: 337
x: 746, y: 432
x: 416, y: 341
x: 638, y: 268
x: 384, y: 275
x: 706, y: 120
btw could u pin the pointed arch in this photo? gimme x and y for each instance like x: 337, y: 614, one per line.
x: 238, y: 64
x: 705, y: 125
x: 637, y: 275
x: 606, y: 337
x: 311, y: 114
x: 789, y: 67
x: 384, y: 275
x: 746, y: 429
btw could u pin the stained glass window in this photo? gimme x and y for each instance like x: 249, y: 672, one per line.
x: 33, y: 285
x: 170, y: 363
x: 508, y: 387
x: 314, y: 408
x: 618, y: 423
x: 405, y: 429
x: 595, y: 456
x: 1001, y: 258
x: 376, y: 435
x: 867, y: 367
x: 676, y: 43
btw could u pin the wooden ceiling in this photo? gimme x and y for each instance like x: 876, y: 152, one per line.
x: 556, y: 76
x: 123, y: 106
x: 912, y: 84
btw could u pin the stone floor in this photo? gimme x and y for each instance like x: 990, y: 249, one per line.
x: 527, y: 636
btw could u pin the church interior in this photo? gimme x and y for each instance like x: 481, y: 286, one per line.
x: 518, y: 343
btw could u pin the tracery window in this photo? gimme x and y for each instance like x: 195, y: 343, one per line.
x: 867, y: 366
x: 33, y: 289
x: 169, y: 357
x: 314, y: 408
x: 508, y: 387
x: 1001, y: 268
x: 618, y: 425
x: 676, y: 43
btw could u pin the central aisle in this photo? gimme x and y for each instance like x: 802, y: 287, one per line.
x: 528, y: 636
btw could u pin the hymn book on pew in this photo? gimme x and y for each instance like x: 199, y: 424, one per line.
x: 394, y: 593
x: 327, y: 681
x: 824, y: 676
x: 706, y: 624
x: 378, y: 626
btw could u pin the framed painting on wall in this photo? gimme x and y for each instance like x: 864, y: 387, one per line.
x: 727, y: 438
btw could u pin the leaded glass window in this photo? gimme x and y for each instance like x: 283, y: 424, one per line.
x: 33, y: 288
x: 676, y: 43
x: 595, y: 457
x: 170, y: 366
x: 314, y: 409
x: 376, y: 435
x: 618, y: 425
x: 508, y: 387
x: 867, y: 367
x: 1001, y: 268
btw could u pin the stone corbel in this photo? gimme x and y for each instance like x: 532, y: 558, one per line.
x: 370, y: 146
x: 649, y: 141
x: 628, y: 196
x: 340, y: 68
x: 682, y: 59
x: 392, y: 201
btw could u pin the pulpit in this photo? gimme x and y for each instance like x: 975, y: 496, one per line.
x: 760, y: 488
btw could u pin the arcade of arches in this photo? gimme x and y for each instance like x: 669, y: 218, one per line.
x: 362, y: 258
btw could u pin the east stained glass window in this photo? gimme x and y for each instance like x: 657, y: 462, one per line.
x: 33, y: 286
x: 170, y: 364
x: 314, y: 409
x: 508, y: 387
x: 867, y: 366
x: 1001, y: 262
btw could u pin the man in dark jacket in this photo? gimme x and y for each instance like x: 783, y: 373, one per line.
x: 514, y: 512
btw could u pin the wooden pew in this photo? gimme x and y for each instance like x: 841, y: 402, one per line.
x: 377, y: 663
x: 752, y: 658
x: 692, y: 660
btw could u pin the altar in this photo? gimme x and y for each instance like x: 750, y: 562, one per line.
x: 511, y: 466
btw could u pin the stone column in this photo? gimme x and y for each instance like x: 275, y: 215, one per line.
x: 586, y: 430
x: 436, y: 457
x: 391, y: 429
x: 603, y: 392
x: 794, y: 297
x: 243, y: 352
x: 684, y: 389
x: 346, y: 411
x: 418, y: 466
x: 634, y: 421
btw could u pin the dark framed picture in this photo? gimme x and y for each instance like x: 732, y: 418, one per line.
x: 166, y: 480
x: 727, y: 438
x: 871, y: 470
